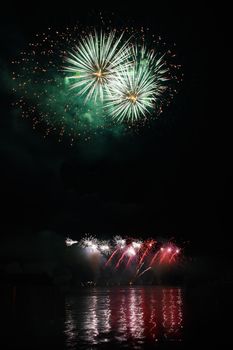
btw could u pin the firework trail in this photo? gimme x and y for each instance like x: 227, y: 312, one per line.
x: 168, y: 254
x: 121, y: 258
x: 163, y: 256
x: 154, y: 258
x: 173, y: 255
x: 129, y: 261
x: 142, y: 273
x: 139, y: 268
x: 149, y: 247
x: 111, y: 256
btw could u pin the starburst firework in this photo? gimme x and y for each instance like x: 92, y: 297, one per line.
x: 137, y: 88
x: 95, y: 62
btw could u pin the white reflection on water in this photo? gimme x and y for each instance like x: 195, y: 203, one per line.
x: 121, y: 320
x: 132, y: 316
x: 103, y: 313
x: 71, y: 330
x: 90, y: 321
x: 136, y: 322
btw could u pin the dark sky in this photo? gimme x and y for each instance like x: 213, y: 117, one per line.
x: 173, y: 179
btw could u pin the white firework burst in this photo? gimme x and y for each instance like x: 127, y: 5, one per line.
x: 137, y: 88
x: 94, y: 63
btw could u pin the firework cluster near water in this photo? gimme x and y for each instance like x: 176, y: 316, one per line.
x: 134, y: 257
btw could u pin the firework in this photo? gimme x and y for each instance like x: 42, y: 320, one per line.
x: 154, y: 258
x: 142, y: 273
x: 120, y: 256
x: 42, y: 91
x: 94, y: 63
x: 79, y: 85
x: 90, y: 244
x: 167, y: 254
x: 131, y: 251
x: 115, y: 251
x: 129, y: 261
x: 104, y: 248
x: 137, y: 88
x: 136, y: 245
x: 120, y: 259
x: 120, y: 242
x: 147, y: 247
x: 111, y: 257
x: 69, y: 242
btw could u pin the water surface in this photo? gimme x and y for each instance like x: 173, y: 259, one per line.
x: 125, y: 316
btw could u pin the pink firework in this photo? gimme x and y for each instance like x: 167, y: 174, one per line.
x: 111, y: 257
x: 130, y: 251
x: 173, y: 256
x: 129, y: 261
x: 154, y: 257
x: 149, y: 246
x: 120, y: 259
x: 168, y: 254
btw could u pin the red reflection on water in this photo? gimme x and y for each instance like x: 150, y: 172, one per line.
x: 172, y: 313
x: 132, y: 315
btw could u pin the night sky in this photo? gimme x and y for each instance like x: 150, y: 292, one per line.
x: 173, y: 179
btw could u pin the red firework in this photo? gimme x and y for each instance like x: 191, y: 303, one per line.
x: 120, y: 259
x: 149, y: 246
x: 168, y: 254
x: 111, y: 256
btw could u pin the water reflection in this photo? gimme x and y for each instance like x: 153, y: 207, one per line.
x: 172, y: 313
x: 132, y: 316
